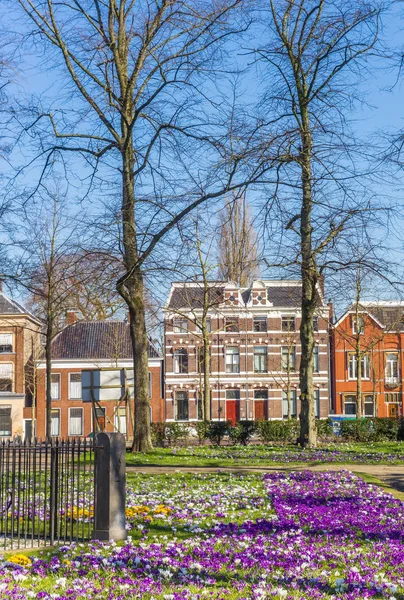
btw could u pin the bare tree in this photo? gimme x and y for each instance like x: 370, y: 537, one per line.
x: 238, y: 243
x: 313, y: 58
x: 42, y: 241
x: 136, y: 71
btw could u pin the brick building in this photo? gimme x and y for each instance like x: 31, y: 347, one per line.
x: 255, y: 351
x: 380, y: 328
x: 93, y: 360
x: 19, y: 340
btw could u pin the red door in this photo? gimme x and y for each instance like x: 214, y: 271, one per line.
x: 261, y: 410
x: 233, y: 411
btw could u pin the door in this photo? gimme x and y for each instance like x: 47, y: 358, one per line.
x: 28, y: 429
x: 393, y: 412
x: 233, y: 411
x: 100, y: 419
x: 261, y: 410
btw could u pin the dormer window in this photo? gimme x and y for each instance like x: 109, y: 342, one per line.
x: 358, y: 325
x: 6, y: 343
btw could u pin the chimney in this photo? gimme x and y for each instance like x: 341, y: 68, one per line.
x: 71, y: 317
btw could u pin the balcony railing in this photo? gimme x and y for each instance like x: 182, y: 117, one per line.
x: 392, y: 381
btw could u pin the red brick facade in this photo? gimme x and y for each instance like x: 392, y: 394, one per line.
x: 64, y: 404
x: 382, y: 343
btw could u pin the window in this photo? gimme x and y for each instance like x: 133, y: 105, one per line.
x: 369, y: 406
x: 261, y: 394
x: 349, y: 405
x: 293, y: 403
x: 317, y: 403
x: 5, y: 421
x: 75, y: 421
x: 232, y: 394
x: 315, y: 323
x: 231, y: 324
x: 6, y: 377
x: 55, y: 422
x: 260, y: 359
x: 316, y: 361
x: 391, y: 373
x: 182, y: 413
x: 120, y: 419
x: 55, y: 386
x: 288, y: 323
x: 352, y: 371
x: 180, y: 361
x: 6, y: 342
x: 209, y: 325
x: 75, y: 386
x: 395, y: 397
x: 358, y: 326
x: 260, y: 324
x: 232, y: 359
x: 288, y: 358
x: 180, y: 325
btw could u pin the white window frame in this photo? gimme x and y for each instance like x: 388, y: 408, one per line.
x: 230, y: 360
x: 7, y: 375
x: 285, y: 402
x: 372, y: 402
x: 81, y: 388
x: 178, y: 352
x: 392, y: 366
x: 10, y: 337
x: 52, y: 419
x: 8, y: 407
x: 178, y: 325
x: 265, y: 359
x: 352, y: 366
x: 345, y: 401
x: 292, y: 358
x: 118, y: 419
x: 59, y: 386
x: 82, y: 421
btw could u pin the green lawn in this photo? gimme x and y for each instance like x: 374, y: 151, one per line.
x: 266, y: 455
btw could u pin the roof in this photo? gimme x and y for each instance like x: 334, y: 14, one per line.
x: 11, y: 307
x: 282, y: 294
x: 192, y: 297
x: 96, y: 340
x: 285, y: 296
x: 390, y: 315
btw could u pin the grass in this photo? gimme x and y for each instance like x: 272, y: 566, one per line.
x: 260, y: 455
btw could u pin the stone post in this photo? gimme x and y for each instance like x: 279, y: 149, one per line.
x: 110, y: 487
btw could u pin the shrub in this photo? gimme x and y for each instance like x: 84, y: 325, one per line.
x: 217, y: 430
x: 278, y: 431
x: 242, y: 432
x: 175, y: 432
x: 158, y: 432
x: 324, y: 427
x: 202, y: 428
x: 376, y: 430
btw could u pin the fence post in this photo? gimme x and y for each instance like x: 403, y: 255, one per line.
x: 110, y: 484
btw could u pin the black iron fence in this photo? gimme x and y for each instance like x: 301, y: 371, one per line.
x: 46, y: 492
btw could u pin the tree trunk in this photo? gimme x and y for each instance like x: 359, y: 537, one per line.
x: 48, y: 360
x: 206, y: 377
x: 288, y: 388
x: 132, y: 291
x: 308, y: 431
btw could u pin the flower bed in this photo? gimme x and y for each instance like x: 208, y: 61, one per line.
x: 284, y: 535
